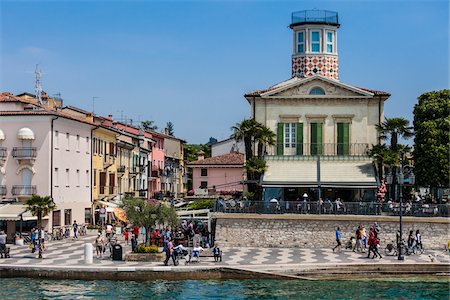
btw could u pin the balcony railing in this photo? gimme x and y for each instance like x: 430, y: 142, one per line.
x: 315, y: 16
x: 24, y: 152
x: 23, y: 190
x: 143, y: 193
x: 107, y: 190
x: 3, y: 152
x: 2, y: 190
x: 121, y: 169
x: 324, y: 149
x: 347, y: 208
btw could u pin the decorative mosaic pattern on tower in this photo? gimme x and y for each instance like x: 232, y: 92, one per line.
x: 309, y: 65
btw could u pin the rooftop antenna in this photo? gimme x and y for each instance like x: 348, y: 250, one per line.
x: 38, y: 85
x: 93, y: 104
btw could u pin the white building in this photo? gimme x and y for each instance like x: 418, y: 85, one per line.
x: 227, y: 146
x: 44, y: 152
x: 324, y: 127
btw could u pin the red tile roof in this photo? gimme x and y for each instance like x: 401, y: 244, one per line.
x: 226, y: 159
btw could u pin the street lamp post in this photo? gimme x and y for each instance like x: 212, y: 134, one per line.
x: 400, y: 179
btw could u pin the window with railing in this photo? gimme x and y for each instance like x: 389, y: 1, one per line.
x: 23, y: 190
x: 24, y: 152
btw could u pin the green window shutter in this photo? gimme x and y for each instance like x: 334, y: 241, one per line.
x: 299, y: 138
x: 343, y: 138
x: 280, y: 140
x: 319, y: 138
x: 346, y: 137
x: 316, y: 138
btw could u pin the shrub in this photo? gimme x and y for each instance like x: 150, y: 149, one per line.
x: 146, y: 249
x: 91, y: 226
x: 204, y: 204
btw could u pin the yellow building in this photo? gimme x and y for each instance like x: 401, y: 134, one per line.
x: 104, y: 165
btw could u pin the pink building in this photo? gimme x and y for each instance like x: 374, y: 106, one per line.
x: 224, y: 173
x: 46, y: 152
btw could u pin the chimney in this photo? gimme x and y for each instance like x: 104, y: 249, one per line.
x: 110, y: 117
x: 200, y: 155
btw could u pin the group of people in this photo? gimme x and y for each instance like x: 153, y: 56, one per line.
x: 361, y: 240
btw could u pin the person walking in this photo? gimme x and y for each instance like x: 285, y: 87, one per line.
x: 376, y: 246
x: 371, y: 242
x: 168, y: 247
x: 338, y: 239
x: 33, y: 239
x: 3, y: 244
x: 364, y: 237
x: 99, y: 244
x: 418, y: 239
x: 126, y: 236
x: 358, y: 236
x: 75, y: 229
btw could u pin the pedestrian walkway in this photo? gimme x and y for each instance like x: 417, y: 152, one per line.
x: 71, y: 253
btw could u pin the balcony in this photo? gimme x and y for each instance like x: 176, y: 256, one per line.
x: 143, y: 193
x: 314, y: 149
x: 2, y: 190
x: 3, y: 152
x: 23, y: 190
x: 108, y: 161
x: 314, y: 17
x: 121, y: 169
x: 24, y: 152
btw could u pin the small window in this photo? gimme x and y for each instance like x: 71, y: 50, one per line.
x: 330, y: 40
x: 300, y: 42
x: 315, y: 41
x: 67, y: 217
x: 68, y: 141
x: 204, y: 184
x: 56, y: 139
x: 56, y: 177
x: 317, y: 91
x: 67, y: 178
x: 88, y: 179
x: 78, y: 143
x: 87, y: 145
x: 204, y: 172
x: 87, y: 215
x: 78, y: 178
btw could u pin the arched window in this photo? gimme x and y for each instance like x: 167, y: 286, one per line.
x: 317, y: 91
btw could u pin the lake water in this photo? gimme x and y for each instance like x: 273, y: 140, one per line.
x: 27, y: 288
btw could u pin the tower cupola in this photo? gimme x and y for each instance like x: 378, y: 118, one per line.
x: 315, y: 43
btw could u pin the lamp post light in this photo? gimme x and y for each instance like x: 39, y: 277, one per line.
x: 399, y: 178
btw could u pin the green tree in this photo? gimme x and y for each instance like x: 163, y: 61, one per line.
x: 254, y: 134
x: 170, y: 128
x: 40, y: 207
x: 141, y: 213
x: 149, y: 125
x: 264, y: 136
x: 246, y: 131
x: 395, y: 128
x: 432, y: 139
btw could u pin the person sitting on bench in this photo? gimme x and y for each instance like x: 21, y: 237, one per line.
x: 196, y: 251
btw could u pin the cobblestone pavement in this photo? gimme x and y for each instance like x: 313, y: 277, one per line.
x: 71, y: 253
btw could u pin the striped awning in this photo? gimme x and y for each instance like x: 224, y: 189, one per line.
x: 331, y: 173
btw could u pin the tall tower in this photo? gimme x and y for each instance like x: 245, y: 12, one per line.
x: 315, y: 43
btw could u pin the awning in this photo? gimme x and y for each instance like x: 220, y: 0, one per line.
x: 13, y: 212
x: 283, y: 173
x: 25, y: 134
x: 106, y: 204
x: 333, y: 173
x: 120, y: 214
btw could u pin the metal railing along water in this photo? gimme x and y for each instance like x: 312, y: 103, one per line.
x: 347, y: 208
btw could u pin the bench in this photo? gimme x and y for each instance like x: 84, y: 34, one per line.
x: 5, y: 251
x: 207, y: 254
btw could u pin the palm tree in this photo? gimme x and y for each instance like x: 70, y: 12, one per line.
x: 246, y: 131
x: 40, y: 207
x: 264, y: 137
x: 395, y: 128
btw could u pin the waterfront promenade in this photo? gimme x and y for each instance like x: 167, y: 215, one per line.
x: 69, y: 253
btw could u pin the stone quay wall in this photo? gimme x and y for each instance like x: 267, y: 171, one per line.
x: 318, y: 231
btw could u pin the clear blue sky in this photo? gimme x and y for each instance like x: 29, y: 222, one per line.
x: 191, y: 62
